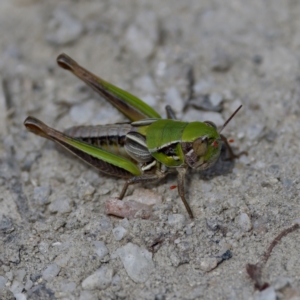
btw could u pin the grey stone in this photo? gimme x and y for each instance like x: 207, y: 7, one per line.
x: 137, y: 262
x: 3, y: 281
x: 61, y: 205
x: 17, y: 287
x: 176, y: 220
x: 119, y: 233
x: 41, y: 194
x: 50, y: 272
x: 101, y: 248
x: 101, y: 279
x: 142, y: 36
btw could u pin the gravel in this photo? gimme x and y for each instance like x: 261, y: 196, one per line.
x: 54, y: 229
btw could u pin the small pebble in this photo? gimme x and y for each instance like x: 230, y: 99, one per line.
x: 116, y: 283
x: 6, y: 225
x: 3, y: 281
x: 176, y: 220
x: 150, y: 100
x: 20, y: 274
x: 28, y: 285
x: 82, y: 113
x: 87, y: 295
x: 245, y: 222
x: 20, y: 296
x: 216, y: 99
x: 267, y: 294
x: 101, y: 248
x: 221, y: 61
x: 85, y: 189
x: 100, y: 279
x: 174, y: 99
x: 188, y: 230
x: 105, y: 225
x: 254, y: 131
x: 61, y: 205
x: 68, y: 286
x: 51, y: 272
x: 281, y: 282
x: 127, y: 209
x: 17, y: 287
x: 137, y: 262
x: 208, y: 264
x: 41, y: 194
x: 146, y: 84
x: 119, y: 233
x: 43, y: 247
x: 63, y: 28
x: 143, y: 35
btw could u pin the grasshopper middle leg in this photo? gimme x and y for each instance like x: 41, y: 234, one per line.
x: 139, y: 179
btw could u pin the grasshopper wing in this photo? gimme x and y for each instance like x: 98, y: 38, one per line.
x: 132, y: 107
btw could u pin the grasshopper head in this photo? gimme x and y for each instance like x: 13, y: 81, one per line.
x: 202, y: 143
x: 202, y: 151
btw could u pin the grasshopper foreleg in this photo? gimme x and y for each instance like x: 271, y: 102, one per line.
x: 181, y: 192
x: 232, y: 155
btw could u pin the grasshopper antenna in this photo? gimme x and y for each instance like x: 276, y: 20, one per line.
x: 229, y: 119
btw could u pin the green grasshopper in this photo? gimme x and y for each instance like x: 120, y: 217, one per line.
x: 147, y: 149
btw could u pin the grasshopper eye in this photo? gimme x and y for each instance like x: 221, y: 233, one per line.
x: 212, y: 124
x: 200, y: 146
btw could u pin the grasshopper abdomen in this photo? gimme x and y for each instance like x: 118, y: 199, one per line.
x: 109, y: 137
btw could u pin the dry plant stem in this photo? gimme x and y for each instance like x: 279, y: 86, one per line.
x: 255, y: 271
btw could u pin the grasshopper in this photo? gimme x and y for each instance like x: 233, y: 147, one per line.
x: 144, y: 150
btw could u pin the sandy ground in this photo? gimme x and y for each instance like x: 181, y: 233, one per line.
x: 57, y: 241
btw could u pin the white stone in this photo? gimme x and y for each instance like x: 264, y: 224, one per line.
x: 146, y: 84
x: 267, y: 294
x: 20, y: 296
x: 119, y: 232
x: 17, y: 287
x: 101, y: 248
x: 137, y: 262
x: 81, y: 113
x: 101, y: 279
x: 208, y: 264
x: 245, y: 222
x: 215, y: 99
x: 142, y: 36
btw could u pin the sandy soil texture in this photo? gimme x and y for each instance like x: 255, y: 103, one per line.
x: 56, y: 241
